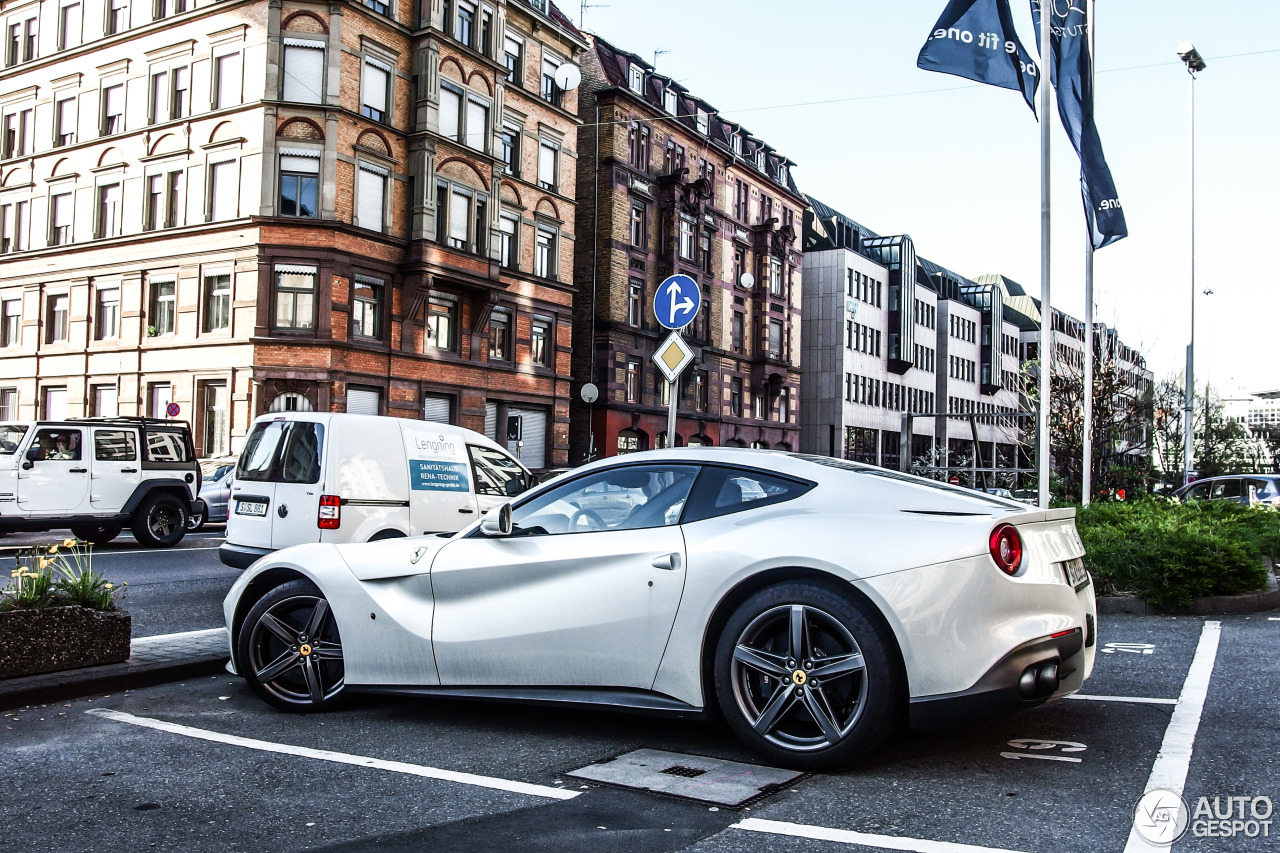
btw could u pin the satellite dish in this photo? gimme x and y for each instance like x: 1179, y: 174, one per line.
x: 590, y: 393
x: 568, y: 76
x: 748, y: 280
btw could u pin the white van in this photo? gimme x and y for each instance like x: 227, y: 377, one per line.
x: 329, y: 477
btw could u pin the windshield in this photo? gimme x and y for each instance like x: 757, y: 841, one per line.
x: 10, y: 437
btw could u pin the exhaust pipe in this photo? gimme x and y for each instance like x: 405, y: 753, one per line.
x: 1039, y: 680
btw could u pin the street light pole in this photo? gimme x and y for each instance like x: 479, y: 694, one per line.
x: 1195, y: 64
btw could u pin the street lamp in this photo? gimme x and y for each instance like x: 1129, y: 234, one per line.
x: 1195, y: 63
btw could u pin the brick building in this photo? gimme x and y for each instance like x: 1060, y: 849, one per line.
x: 666, y: 185
x: 247, y: 206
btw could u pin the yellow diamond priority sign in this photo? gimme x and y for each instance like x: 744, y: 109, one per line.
x: 672, y: 356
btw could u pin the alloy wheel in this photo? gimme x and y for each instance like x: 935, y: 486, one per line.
x: 295, y: 653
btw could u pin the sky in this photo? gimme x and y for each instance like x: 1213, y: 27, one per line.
x: 833, y: 85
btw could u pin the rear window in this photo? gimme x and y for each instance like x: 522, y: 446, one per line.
x: 282, y: 452
x: 164, y: 446
x: 1263, y: 488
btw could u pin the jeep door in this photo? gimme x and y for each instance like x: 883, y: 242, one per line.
x: 54, y: 476
x: 114, y: 469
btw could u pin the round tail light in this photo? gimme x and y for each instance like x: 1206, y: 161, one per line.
x: 1006, y: 548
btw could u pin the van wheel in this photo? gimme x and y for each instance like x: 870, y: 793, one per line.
x: 98, y: 534
x: 160, y: 521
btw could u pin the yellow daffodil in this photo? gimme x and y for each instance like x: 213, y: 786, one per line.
x: 44, y: 563
x: 107, y: 586
x: 68, y: 543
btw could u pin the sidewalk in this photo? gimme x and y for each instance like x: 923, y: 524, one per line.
x: 152, y: 660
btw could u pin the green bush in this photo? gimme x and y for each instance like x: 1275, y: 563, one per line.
x: 1171, y: 553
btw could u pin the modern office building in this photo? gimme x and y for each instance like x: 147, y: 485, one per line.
x: 668, y: 185
x: 238, y: 207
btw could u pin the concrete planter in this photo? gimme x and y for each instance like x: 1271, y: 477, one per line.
x: 57, y: 638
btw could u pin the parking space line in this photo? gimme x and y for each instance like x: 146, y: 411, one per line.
x: 1174, y: 759
x: 339, y: 757
x: 1141, y: 700
x: 845, y: 836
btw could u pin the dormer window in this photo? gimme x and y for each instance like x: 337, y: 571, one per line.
x: 736, y: 141
x: 782, y: 173
x: 635, y: 78
x: 669, y: 101
x: 540, y: 5
x: 760, y: 159
x: 704, y: 122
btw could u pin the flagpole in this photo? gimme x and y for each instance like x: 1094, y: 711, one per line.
x: 1086, y: 455
x: 1046, y: 307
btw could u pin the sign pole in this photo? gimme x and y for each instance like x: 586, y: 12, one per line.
x: 1047, y: 105
x: 675, y: 304
x: 671, y: 412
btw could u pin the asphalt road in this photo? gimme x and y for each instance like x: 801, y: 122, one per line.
x: 169, y: 589
x: 229, y: 773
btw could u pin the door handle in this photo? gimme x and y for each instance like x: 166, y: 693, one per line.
x: 128, y: 470
x: 467, y: 510
x: 77, y: 470
x: 670, y: 562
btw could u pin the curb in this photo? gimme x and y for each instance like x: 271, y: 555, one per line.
x: 1214, y: 605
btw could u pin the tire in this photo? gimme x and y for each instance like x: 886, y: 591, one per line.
x: 160, y: 521
x: 290, y: 651
x: 778, y: 700
x: 195, y: 521
x: 98, y: 534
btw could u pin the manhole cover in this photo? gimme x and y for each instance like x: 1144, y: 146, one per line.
x: 708, y: 780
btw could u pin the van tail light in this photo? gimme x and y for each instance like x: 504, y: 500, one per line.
x: 1006, y: 548
x: 330, y: 517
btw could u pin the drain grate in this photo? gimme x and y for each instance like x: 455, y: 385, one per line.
x: 680, y: 770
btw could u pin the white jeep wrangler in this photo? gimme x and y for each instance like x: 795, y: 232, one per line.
x: 96, y: 475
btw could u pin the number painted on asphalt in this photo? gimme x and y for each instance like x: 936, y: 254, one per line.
x: 1037, y: 748
x: 1128, y: 648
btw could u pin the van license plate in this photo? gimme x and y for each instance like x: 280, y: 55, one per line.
x: 255, y: 508
x: 1076, y: 574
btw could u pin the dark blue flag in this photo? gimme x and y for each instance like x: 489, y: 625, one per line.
x: 1071, y: 67
x: 975, y: 39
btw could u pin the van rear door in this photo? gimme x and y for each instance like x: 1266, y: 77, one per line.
x: 297, y: 475
x: 253, y: 492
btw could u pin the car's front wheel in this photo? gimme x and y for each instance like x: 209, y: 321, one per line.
x: 161, y: 521
x: 289, y: 649
x: 807, y: 676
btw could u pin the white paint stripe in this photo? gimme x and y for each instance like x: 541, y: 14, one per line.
x: 1273, y: 618
x: 339, y: 757
x: 844, y: 836
x: 202, y: 634
x: 1142, y: 700
x: 1174, y: 758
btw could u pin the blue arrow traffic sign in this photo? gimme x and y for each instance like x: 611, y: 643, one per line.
x: 676, y: 301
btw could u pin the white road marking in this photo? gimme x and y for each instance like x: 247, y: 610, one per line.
x: 845, y: 836
x: 339, y: 757
x: 1174, y: 759
x: 1273, y: 618
x: 1131, y: 648
x: 1141, y: 700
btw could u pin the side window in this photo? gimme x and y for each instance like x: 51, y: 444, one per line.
x: 115, y: 445
x: 58, y: 444
x: 495, y: 472
x: 1263, y: 489
x: 721, y: 491
x: 629, y: 498
x: 1198, y: 492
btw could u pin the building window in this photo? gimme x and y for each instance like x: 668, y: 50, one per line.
x: 477, y: 129
x: 19, y: 133
x: 540, y: 342
x: 10, y: 323
x: 180, y: 97
x: 117, y: 16
x: 635, y: 78
x: 214, y: 413
x: 303, y: 71
x: 704, y: 252
x: 784, y: 405
x: 366, y: 307
x: 106, y: 314
x: 295, y: 297
x: 228, y: 78
x: 513, y: 59
x: 739, y: 266
x: 378, y: 6
x: 639, y: 141
x: 510, y: 155
x: 736, y: 142
x: 371, y: 197
x: 64, y: 122
x: 632, y: 380
x: 69, y: 25
x: 703, y: 121
x: 739, y: 332
x: 159, y: 100
x: 735, y: 396
x: 459, y: 219
x: 686, y: 238
x: 56, y: 323
x: 164, y: 202
x: 113, y: 109
x: 224, y: 190
x: 775, y: 338
x: 635, y: 303
x: 217, y: 302
x: 109, y: 210
x: 465, y: 24
x: 547, y: 171
x: 299, y: 184
x: 669, y: 100
x: 163, y: 308
x: 15, y: 226
x: 638, y: 224
x: 165, y: 8
x: 159, y: 395
x: 500, y: 336
x: 375, y: 89
x: 450, y: 112
x: 775, y: 277
x: 442, y: 323
x: 699, y: 390
x: 544, y: 254
x: 8, y: 404
x: 508, y: 249
x: 551, y: 92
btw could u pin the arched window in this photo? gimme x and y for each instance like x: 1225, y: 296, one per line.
x: 632, y: 441
x: 291, y: 401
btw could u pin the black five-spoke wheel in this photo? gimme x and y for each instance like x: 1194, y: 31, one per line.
x: 289, y: 649
x: 806, y: 677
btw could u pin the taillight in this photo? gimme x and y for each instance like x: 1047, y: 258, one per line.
x: 1006, y: 548
x: 330, y: 517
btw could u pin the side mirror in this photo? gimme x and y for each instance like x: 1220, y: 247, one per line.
x: 515, y: 487
x: 497, y: 523
x: 35, y: 454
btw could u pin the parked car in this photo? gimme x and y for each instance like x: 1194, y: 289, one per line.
x: 95, y: 476
x: 706, y: 579
x: 1000, y: 493
x: 333, y: 477
x: 1026, y: 496
x: 1261, y: 489
x: 215, y: 491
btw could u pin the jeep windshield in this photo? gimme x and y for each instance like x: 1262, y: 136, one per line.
x: 10, y: 437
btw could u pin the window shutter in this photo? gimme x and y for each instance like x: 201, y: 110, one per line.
x: 459, y: 217
x: 450, y: 105
x: 369, y: 204
x: 362, y: 401
x: 477, y: 125
x: 436, y: 409
x: 546, y: 165
x: 374, y: 81
x: 303, y: 71
x: 225, y: 191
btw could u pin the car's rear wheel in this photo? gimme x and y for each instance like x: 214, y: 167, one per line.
x: 290, y: 651
x: 98, y: 534
x: 195, y: 521
x: 807, y: 676
x: 160, y: 521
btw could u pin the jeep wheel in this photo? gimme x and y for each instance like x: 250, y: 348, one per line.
x: 160, y: 521
x: 98, y: 534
